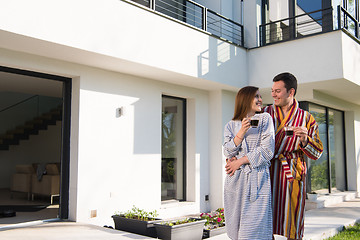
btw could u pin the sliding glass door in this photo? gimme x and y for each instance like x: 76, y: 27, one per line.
x: 328, y: 174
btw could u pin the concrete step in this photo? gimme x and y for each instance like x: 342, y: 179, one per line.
x: 325, y: 200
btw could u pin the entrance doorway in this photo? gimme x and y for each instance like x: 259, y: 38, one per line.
x: 34, y: 146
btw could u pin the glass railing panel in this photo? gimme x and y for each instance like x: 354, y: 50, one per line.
x: 28, y: 109
x: 10, y: 118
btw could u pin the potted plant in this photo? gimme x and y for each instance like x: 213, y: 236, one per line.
x: 215, y: 223
x: 312, y: 196
x: 188, y: 228
x: 137, y: 221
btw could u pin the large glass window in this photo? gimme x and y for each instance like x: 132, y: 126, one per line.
x: 275, y: 10
x: 319, y: 169
x: 337, y: 151
x: 352, y: 7
x: 173, y: 150
x: 335, y: 4
x: 328, y: 174
x: 289, y: 19
x: 316, y: 16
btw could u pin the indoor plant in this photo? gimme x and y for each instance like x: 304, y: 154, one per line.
x: 215, y: 223
x: 137, y: 221
x: 188, y: 228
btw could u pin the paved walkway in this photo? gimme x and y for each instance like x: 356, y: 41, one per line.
x: 319, y: 224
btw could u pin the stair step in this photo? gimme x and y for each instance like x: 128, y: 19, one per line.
x: 7, y: 136
x: 16, y: 131
x: 29, y: 126
x: 4, y: 147
x: 13, y: 137
x: 46, y: 116
x: 34, y: 122
x: 10, y: 141
x: 22, y: 136
x: 56, y: 111
x: 330, y: 199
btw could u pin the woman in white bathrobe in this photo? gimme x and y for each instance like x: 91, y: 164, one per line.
x: 248, y: 150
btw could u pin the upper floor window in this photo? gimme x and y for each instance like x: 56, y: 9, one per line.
x: 352, y: 6
x: 290, y: 19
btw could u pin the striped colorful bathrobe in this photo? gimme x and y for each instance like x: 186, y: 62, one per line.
x: 288, y: 169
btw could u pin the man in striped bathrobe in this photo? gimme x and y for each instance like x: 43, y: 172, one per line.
x: 288, y: 167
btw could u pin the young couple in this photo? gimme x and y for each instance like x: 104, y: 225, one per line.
x: 264, y: 192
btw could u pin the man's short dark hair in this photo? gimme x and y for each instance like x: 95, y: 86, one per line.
x: 288, y: 79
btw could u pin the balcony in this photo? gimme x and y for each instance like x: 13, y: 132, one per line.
x: 348, y: 23
x: 198, y: 16
x: 309, y: 24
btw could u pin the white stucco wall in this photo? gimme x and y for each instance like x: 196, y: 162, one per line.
x: 351, y: 58
x: 121, y: 157
x: 306, y: 58
x: 122, y: 34
x: 116, y: 161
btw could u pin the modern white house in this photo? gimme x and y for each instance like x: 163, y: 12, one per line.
x: 145, y: 88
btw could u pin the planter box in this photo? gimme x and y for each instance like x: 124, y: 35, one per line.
x: 312, y: 196
x: 141, y: 227
x: 213, y: 232
x: 188, y: 231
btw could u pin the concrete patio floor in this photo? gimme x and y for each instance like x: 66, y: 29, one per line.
x: 319, y: 224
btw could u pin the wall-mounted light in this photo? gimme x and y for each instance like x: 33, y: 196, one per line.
x: 119, y: 112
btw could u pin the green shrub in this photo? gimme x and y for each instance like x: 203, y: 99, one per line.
x: 351, y: 232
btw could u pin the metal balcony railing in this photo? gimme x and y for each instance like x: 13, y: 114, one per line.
x: 308, y: 24
x: 348, y: 22
x: 200, y: 17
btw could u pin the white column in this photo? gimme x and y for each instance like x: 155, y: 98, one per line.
x: 221, y: 111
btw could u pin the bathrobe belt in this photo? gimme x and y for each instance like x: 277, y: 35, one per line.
x: 252, y: 177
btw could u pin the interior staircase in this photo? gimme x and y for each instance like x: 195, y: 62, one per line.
x: 23, y: 132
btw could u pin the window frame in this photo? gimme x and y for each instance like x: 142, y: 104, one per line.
x: 184, y: 135
x: 305, y: 105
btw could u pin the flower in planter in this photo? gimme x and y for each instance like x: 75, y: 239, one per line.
x: 178, y: 222
x: 136, y: 221
x: 140, y: 214
x: 187, y: 228
x: 214, y: 219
